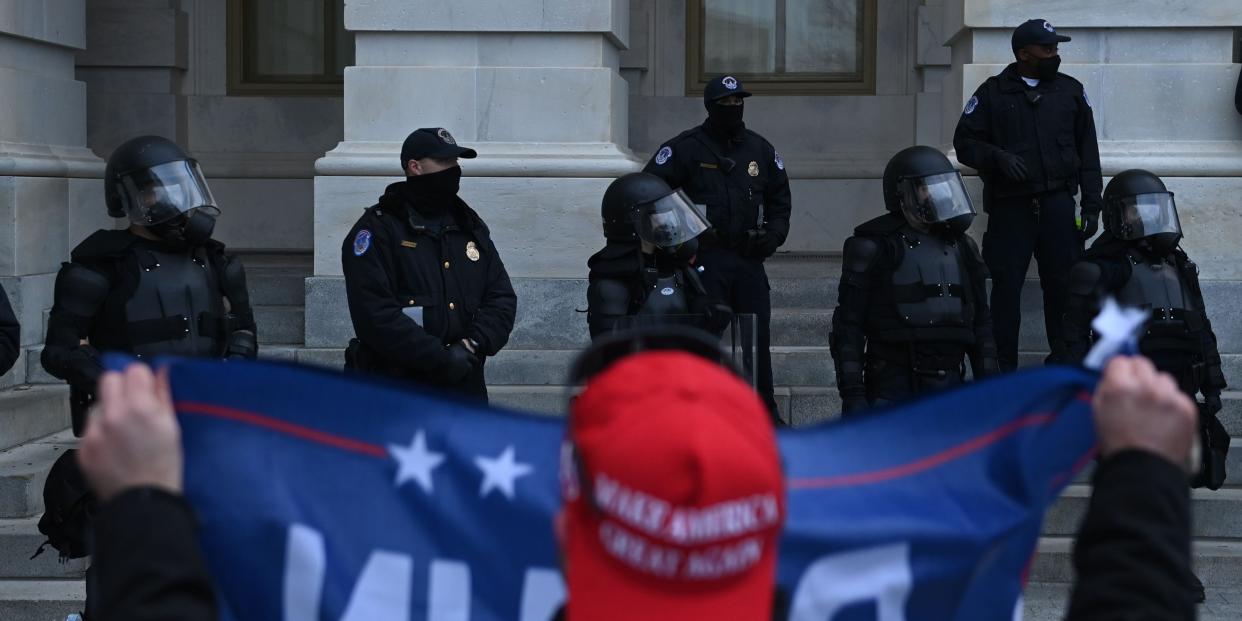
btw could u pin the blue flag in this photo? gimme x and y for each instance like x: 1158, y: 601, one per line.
x: 323, y: 496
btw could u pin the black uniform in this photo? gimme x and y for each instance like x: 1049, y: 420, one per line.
x: 10, y: 334
x: 121, y: 292
x: 624, y: 282
x: 418, y: 283
x: 740, y: 178
x: 1051, y: 129
x: 1178, y: 338
x: 911, y: 308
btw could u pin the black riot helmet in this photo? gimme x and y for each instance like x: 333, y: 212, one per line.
x: 152, y: 182
x: 622, y: 201
x: 1137, y: 206
x: 922, y: 185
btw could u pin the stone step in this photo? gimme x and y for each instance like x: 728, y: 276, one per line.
x: 41, y: 600
x: 819, y: 293
x: 800, y: 327
x: 23, y: 469
x: 1217, y: 562
x: 29, y: 412
x: 276, y: 286
x: 1044, y: 601
x: 1216, y: 513
x: 18, y: 541
x: 281, y: 325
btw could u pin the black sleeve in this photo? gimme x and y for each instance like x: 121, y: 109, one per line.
x: 375, y: 310
x: 973, y: 137
x: 608, y: 300
x: 1086, y: 288
x: 983, y: 355
x: 78, y: 296
x: 1237, y: 95
x: 1213, y: 376
x: 848, y: 341
x: 777, y: 200
x: 10, y: 334
x: 146, y: 565
x: 242, y: 340
x: 1132, y: 556
x: 493, y: 322
x: 1090, y: 179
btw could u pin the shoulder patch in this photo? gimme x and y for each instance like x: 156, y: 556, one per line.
x: 663, y: 155
x: 971, y: 105
x: 362, y: 242
x: 780, y: 164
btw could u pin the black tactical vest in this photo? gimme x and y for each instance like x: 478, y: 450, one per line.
x: 1177, y: 315
x: 929, y: 283
x: 176, y: 307
x: 666, y: 295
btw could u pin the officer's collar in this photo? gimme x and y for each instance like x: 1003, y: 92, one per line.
x: 1011, y: 81
x: 721, y: 135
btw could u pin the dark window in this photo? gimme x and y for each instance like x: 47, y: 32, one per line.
x: 783, y: 46
x: 288, y: 46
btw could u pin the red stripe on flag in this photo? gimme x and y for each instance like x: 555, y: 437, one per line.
x: 297, y: 431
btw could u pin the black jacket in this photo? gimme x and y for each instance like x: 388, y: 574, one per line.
x: 1132, y: 555
x: 146, y: 564
x: 1103, y: 270
x: 1054, y: 136
x: 866, y: 309
x: 738, y: 178
x: 455, y: 276
x: 10, y: 335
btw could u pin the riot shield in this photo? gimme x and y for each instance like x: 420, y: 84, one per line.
x: 738, y: 340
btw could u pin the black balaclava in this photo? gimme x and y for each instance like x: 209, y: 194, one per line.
x: 1047, y: 68
x: 726, y: 120
x: 188, y: 229
x: 433, y: 193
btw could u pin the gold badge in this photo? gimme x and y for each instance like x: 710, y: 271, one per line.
x: 409, y: 244
x: 472, y: 251
x: 753, y: 169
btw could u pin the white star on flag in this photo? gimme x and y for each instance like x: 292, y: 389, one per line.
x: 1117, y: 331
x: 415, y: 462
x: 501, y: 473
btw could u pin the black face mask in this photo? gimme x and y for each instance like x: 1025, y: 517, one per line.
x: 727, y: 119
x: 1161, y: 244
x: 434, y: 191
x: 679, y: 255
x: 1047, y: 68
x: 191, y: 230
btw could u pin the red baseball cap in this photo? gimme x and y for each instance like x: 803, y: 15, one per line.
x: 674, y: 498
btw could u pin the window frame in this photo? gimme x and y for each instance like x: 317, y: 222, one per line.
x: 239, y: 83
x: 851, y: 83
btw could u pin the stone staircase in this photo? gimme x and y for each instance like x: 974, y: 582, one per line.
x: 530, y: 374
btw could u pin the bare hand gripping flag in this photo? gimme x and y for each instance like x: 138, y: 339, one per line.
x: 323, y: 497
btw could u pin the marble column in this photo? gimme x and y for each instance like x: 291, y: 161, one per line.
x: 51, y: 195
x: 1160, y: 75
x: 533, y: 85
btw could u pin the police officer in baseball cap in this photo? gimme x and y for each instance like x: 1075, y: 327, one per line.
x: 740, y: 180
x: 429, y: 297
x: 1030, y: 133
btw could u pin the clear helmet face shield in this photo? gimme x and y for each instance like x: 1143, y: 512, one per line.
x: 936, y: 201
x: 670, y: 221
x: 1146, y: 215
x: 156, y: 195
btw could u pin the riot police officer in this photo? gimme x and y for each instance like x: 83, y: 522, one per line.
x: 1030, y: 133
x: 428, y: 294
x: 1138, y: 261
x: 740, y: 179
x: 646, y: 269
x: 160, y: 287
x: 911, y: 302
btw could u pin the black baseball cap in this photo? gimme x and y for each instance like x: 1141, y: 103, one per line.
x: 432, y: 142
x: 723, y: 86
x: 1036, y: 32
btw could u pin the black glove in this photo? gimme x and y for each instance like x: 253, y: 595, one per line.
x: 458, y: 362
x: 765, y: 244
x: 1211, y: 403
x: 1011, y: 166
x: 1090, y: 224
x: 853, y: 404
x: 716, y: 316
